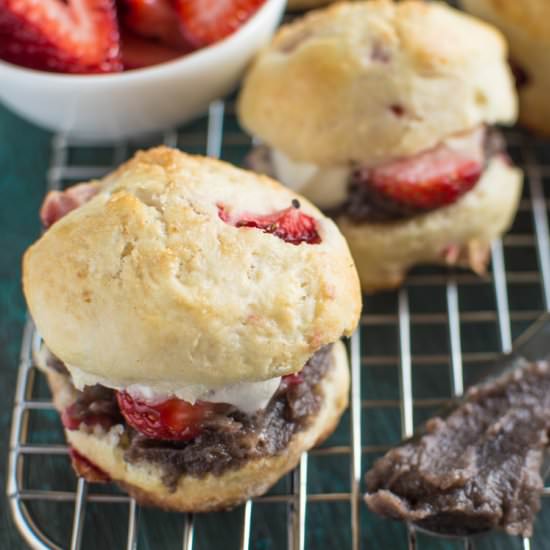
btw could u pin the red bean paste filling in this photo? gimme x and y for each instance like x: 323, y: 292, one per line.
x: 363, y: 202
x: 477, y: 469
x: 227, y: 441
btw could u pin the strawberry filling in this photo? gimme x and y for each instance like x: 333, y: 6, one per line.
x: 291, y: 224
x: 59, y: 203
x: 200, y: 439
x: 175, y: 419
x: 421, y: 183
x: 432, y: 179
x: 172, y: 420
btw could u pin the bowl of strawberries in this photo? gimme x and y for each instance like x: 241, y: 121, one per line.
x: 102, y: 70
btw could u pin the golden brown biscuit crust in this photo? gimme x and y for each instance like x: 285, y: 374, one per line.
x: 146, y: 284
x: 371, y: 81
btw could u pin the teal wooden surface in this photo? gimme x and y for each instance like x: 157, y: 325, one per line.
x: 23, y: 163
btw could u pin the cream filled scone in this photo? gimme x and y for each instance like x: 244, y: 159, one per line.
x: 527, y: 29
x: 382, y: 114
x: 191, y: 315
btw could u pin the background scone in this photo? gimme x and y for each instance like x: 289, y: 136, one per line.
x: 526, y: 25
x: 191, y: 313
x: 381, y: 113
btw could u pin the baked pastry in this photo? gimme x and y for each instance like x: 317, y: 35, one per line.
x: 382, y: 115
x: 191, y: 313
x: 527, y: 29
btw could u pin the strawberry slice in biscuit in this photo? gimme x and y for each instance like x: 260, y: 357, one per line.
x: 172, y: 419
x: 290, y: 225
x: 434, y: 178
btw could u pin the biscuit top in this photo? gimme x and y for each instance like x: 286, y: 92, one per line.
x: 147, y: 284
x: 371, y: 81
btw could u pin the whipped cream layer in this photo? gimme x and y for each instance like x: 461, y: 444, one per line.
x: 248, y: 397
x: 327, y: 186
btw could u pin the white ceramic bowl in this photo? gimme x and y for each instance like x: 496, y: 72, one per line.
x: 116, y: 106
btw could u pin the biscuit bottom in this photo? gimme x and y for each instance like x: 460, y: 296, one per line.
x: 459, y: 234
x: 111, y: 451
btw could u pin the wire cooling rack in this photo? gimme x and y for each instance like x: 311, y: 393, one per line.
x: 415, y: 348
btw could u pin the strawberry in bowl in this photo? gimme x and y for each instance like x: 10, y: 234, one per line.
x: 70, y: 65
x: 79, y: 37
x: 108, y: 36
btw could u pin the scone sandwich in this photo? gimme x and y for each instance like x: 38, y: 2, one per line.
x: 191, y: 314
x: 383, y: 114
x: 526, y: 25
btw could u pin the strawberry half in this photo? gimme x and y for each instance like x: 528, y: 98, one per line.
x: 435, y: 178
x: 155, y: 19
x: 59, y: 203
x: 291, y: 225
x: 72, y: 36
x: 207, y: 21
x: 173, y: 419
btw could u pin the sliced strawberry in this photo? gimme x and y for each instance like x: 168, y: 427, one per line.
x: 207, y: 21
x: 290, y: 225
x: 156, y: 19
x: 59, y: 203
x: 435, y: 178
x: 138, y: 52
x: 173, y: 419
x: 73, y: 36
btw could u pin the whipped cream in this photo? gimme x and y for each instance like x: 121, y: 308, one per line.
x: 327, y: 186
x: 248, y: 397
x: 469, y: 144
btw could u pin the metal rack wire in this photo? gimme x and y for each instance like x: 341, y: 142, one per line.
x: 391, y: 350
